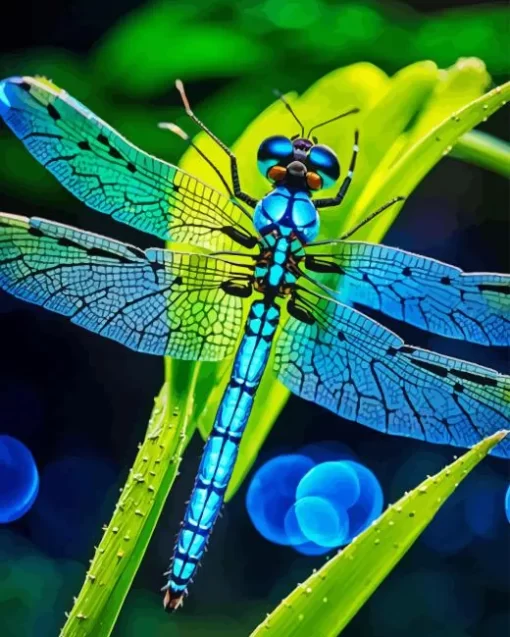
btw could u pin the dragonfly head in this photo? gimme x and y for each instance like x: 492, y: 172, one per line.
x: 298, y: 162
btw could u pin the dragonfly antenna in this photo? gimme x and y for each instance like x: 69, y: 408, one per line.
x: 180, y: 87
x: 333, y: 119
x: 290, y: 109
x: 177, y: 130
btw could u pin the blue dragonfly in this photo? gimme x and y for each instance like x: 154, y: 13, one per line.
x: 227, y: 299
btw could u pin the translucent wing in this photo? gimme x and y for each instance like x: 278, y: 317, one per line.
x: 358, y: 369
x: 157, y: 301
x: 423, y: 292
x: 112, y: 176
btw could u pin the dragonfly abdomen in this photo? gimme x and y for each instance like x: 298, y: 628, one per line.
x: 221, y: 449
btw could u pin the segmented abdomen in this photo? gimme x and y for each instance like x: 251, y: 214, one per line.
x: 221, y: 449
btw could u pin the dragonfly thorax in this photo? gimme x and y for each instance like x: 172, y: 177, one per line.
x: 277, y: 270
x: 287, y: 209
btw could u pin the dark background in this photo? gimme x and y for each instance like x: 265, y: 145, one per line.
x: 81, y: 404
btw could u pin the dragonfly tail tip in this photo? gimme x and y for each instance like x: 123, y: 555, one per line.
x: 172, y: 601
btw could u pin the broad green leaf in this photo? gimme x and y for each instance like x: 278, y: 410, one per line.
x: 272, y: 396
x: 485, y: 151
x: 126, y: 537
x: 325, y: 603
x: 389, y: 105
x: 381, y: 126
x: 356, y: 85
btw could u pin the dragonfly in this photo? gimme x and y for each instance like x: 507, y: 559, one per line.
x: 256, y: 258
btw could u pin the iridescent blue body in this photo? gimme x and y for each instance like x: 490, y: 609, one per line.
x: 285, y: 219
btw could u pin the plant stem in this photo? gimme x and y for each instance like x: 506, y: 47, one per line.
x: 485, y: 151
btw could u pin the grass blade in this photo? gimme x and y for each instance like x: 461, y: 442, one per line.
x: 327, y: 601
x: 126, y: 537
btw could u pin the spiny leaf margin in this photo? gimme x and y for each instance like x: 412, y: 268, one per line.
x: 325, y: 603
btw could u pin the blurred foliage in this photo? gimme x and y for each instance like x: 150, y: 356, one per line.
x: 140, y: 52
x: 326, y: 602
x: 239, y: 52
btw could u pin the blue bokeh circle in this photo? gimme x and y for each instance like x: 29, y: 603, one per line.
x: 321, y: 522
x: 19, y: 479
x: 369, y: 505
x: 337, y: 482
x: 272, y: 492
x: 313, y: 507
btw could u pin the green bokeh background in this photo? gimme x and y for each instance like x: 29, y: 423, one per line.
x: 123, y: 64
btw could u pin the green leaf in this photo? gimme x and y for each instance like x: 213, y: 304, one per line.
x: 485, y: 151
x: 462, y: 83
x: 327, y: 601
x: 387, y: 115
x: 126, y: 537
x: 389, y: 105
x: 414, y: 163
x: 382, y: 125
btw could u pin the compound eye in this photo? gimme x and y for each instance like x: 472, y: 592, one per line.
x: 323, y: 161
x: 274, y: 151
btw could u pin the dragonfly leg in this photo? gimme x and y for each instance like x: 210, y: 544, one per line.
x: 339, y: 197
x: 234, y: 171
x: 371, y: 216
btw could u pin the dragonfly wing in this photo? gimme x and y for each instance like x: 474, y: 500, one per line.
x: 424, y: 292
x: 154, y: 301
x: 105, y: 171
x: 346, y: 362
